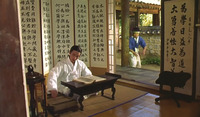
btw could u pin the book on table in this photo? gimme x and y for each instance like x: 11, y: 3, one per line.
x: 89, y: 79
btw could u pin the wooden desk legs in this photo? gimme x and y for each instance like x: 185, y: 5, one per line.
x: 102, y: 92
x: 113, y: 93
x: 80, y: 100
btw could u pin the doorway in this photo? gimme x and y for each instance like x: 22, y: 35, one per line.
x: 150, y: 32
x: 146, y: 75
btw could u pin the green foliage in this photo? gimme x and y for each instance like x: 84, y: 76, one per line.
x: 146, y: 19
x: 120, y: 26
x: 151, y: 59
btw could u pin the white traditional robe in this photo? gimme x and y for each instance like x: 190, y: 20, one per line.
x: 66, y: 71
x: 135, y: 61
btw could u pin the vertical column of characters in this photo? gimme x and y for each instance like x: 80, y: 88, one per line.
x: 63, y: 28
x: 173, y: 37
x: 30, y: 26
x: 46, y: 35
x: 182, y: 31
x: 98, y: 33
x: 82, y: 28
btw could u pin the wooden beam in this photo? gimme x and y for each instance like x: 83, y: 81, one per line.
x: 144, y: 7
x: 156, y: 11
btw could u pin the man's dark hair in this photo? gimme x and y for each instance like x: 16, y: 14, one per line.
x: 76, y: 48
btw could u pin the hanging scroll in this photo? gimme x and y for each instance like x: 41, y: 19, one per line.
x: 178, y: 35
x: 30, y: 31
x: 82, y: 28
x: 98, y: 33
x: 46, y: 35
x: 63, y: 28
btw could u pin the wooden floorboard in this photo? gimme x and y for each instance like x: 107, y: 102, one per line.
x: 146, y: 107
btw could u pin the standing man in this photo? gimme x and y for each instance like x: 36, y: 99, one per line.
x: 66, y: 70
x: 134, y: 43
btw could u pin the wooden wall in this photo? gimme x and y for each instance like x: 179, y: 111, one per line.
x: 12, y: 99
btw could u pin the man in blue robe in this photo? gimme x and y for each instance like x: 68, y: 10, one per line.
x: 134, y: 42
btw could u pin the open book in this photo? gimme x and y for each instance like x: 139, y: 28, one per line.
x: 89, y: 79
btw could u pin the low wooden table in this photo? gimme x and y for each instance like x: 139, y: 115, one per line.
x: 84, y: 89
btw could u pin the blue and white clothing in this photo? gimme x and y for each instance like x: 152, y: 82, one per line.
x: 134, y: 45
x: 135, y: 42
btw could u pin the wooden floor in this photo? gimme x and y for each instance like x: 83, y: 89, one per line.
x: 146, y: 107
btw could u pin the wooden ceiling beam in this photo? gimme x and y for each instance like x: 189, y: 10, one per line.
x: 141, y: 6
x: 148, y: 11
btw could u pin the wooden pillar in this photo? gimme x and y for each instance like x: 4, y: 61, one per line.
x: 125, y: 32
x: 156, y: 21
x: 132, y: 23
x: 12, y: 86
x: 137, y: 18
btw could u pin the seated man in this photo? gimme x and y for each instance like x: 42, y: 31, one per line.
x: 66, y: 70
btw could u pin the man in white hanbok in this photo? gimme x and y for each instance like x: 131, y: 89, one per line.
x: 66, y: 70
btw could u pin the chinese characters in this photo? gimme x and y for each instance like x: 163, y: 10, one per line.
x: 98, y: 33
x: 179, y: 38
x: 30, y: 29
x: 62, y: 28
x: 46, y: 36
x: 82, y: 28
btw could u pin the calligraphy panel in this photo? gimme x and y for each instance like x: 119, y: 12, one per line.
x: 178, y: 35
x: 82, y: 28
x: 46, y: 35
x: 98, y: 33
x: 30, y: 31
x: 63, y: 28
